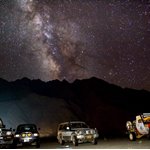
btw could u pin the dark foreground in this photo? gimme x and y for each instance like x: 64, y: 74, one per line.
x: 116, y: 143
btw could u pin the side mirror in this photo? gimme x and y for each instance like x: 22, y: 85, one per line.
x: 14, y: 130
x: 4, y: 126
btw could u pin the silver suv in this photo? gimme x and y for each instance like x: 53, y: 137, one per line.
x: 76, y: 132
x: 6, y: 136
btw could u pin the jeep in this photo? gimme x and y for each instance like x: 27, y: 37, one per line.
x: 26, y: 134
x: 76, y: 132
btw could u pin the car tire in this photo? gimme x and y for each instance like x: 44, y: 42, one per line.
x: 128, y: 125
x: 148, y: 135
x: 94, y: 141
x: 75, y: 141
x: 14, y: 144
x: 61, y: 141
x: 132, y: 136
x: 37, y: 144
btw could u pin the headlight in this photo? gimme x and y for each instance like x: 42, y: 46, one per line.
x: 29, y: 134
x: 35, y: 134
x: 81, y: 136
x: 80, y: 132
x: 8, y: 133
x: 17, y: 135
x: 92, y: 131
x: 23, y: 135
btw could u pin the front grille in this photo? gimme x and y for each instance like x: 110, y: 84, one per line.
x: 67, y: 138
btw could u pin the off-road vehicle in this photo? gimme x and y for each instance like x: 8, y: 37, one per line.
x: 139, y: 127
x: 26, y: 134
x: 76, y: 132
x: 6, y: 135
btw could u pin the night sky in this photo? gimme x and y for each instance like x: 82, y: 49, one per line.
x: 76, y: 39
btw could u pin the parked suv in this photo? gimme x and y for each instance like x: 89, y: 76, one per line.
x: 76, y: 132
x: 26, y: 134
x: 6, y: 135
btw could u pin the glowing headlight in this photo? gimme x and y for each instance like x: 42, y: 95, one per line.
x: 92, y: 131
x: 29, y: 134
x: 23, y: 135
x: 8, y: 133
x: 17, y: 135
x: 35, y: 134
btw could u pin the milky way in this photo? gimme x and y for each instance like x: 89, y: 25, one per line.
x: 76, y: 39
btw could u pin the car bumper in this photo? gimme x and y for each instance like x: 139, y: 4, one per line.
x: 87, y: 137
x: 27, y: 140
x: 6, y: 140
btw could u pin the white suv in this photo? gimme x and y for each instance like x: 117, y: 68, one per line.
x: 6, y: 136
x: 76, y: 132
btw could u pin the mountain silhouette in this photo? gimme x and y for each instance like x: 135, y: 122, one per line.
x: 100, y: 104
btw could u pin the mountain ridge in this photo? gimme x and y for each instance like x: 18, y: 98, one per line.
x: 91, y: 100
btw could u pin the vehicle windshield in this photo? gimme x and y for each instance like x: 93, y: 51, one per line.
x: 26, y: 128
x: 78, y: 125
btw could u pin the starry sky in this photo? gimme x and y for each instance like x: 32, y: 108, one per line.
x: 76, y: 39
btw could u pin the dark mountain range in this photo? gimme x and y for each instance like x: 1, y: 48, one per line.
x: 102, y: 105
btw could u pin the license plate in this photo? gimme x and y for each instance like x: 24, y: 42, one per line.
x: 26, y: 140
x: 88, y: 136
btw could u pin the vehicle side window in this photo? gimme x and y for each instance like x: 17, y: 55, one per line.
x: 65, y: 127
x: 60, y: 127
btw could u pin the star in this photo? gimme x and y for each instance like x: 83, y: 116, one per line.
x: 71, y: 40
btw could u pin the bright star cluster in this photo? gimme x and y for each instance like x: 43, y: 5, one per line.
x: 76, y: 39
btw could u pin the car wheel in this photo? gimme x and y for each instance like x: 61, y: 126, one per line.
x: 61, y: 141
x: 148, y: 135
x: 75, y: 141
x: 132, y: 136
x: 128, y: 125
x: 94, y: 141
x: 37, y: 144
x: 14, y: 144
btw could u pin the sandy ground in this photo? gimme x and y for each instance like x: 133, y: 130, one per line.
x: 117, y: 143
